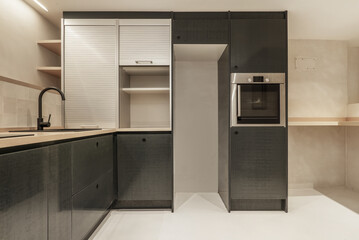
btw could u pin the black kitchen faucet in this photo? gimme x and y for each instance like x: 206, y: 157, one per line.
x: 40, y: 121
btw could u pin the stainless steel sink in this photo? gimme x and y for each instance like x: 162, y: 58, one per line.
x: 60, y: 130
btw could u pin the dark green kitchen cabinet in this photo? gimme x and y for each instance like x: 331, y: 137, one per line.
x: 259, y: 45
x: 145, y: 170
x: 23, y: 194
x: 200, y: 28
x: 91, y: 158
x: 93, y: 183
x: 90, y: 206
x: 59, y: 191
x: 259, y: 168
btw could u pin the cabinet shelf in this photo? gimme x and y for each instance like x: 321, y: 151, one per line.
x: 147, y: 71
x: 54, y: 71
x: 145, y: 90
x: 52, y: 45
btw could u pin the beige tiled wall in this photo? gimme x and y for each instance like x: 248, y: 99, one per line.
x: 18, y: 106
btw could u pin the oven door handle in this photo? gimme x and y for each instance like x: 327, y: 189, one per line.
x: 239, y: 100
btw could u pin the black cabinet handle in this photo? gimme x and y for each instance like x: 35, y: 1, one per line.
x: 236, y: 132
x: 96, y: 144
x: 96, y: 186
x: 236, y: 67
x: 178, y: 37
x: 143, y: 139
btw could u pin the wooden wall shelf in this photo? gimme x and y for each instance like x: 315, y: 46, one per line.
x: 54, y: 71
x: 52, y: 45
x: 322, y: 122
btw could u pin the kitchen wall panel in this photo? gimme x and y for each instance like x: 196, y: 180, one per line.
x: 195, y: 127
x: 18, y: 106
x: 316, y: 156
x: 353, y: 75
x: 21, y: 27
x: 321, y: 92
x: 352, y: 180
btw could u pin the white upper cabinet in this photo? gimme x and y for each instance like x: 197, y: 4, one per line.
x: 90, y: 77
x: 144, y: 42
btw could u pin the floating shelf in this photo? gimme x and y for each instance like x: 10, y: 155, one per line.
x: 349, y: 123
x: 321, y: 122
x: 145, y: 90
x: 314, y: 123
x: 54, y: 71
x: 52, y: 45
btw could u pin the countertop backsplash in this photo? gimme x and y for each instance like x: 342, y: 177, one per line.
x: 19, y: 106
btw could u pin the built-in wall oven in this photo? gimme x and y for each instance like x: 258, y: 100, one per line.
x: 258, y: 99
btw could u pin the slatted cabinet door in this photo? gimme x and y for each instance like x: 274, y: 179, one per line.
x: 144, y: 42
x: 90, y: 73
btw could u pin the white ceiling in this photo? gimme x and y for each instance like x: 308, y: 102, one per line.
x: 308, y: 19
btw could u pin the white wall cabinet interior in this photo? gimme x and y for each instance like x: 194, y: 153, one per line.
x: 91, y: 73
x: 144, y: 43
x: 145, y: 97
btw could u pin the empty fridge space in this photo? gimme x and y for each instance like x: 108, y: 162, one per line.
x: 145, y: 97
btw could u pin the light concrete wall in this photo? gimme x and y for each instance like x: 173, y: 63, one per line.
x: 353, y: 75
x: 195, y: 127
x: 18, y: 106
x: 20, y: 29
x: 321, y: 92
x: 352, y: 180
x: 317, y: 156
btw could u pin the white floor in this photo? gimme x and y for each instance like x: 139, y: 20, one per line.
x: 342, y: 195
x: 203, y: 216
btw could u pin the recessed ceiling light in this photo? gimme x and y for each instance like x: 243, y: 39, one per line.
x: 41, y: 5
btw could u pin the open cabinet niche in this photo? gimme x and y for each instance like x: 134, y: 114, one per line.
x: 197, y: 69
x: 145, y: 97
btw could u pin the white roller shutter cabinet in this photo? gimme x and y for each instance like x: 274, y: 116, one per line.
x: 90, y: 75
x: 144, y: 45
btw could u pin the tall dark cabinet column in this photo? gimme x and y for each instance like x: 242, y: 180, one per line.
x: 258, y: 154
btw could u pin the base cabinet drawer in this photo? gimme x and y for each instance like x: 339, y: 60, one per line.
x: 59, y: 192
x: 91, y: 158
x: 90, y: 205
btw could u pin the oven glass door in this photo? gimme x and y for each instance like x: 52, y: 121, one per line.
x: 258, y: 103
